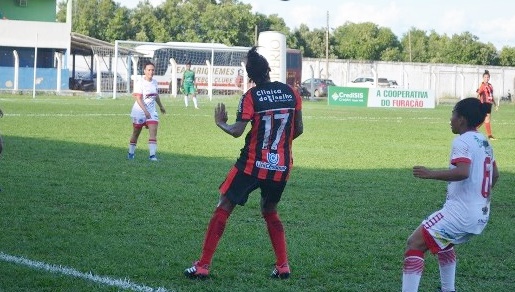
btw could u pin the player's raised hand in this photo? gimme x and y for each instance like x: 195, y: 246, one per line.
x: 220, y: 114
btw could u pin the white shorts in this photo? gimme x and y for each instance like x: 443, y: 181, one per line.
x: 444, y: 230
x: 138, y: 118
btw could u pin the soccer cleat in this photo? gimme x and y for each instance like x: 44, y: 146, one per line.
x: 152, y: 158
x: 491, y: 137
x: 281, y: 272
x: 130, y: 156
x: 197, y: 271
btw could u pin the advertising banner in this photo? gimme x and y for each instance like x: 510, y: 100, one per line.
x: 381, y: 97
x: 347, y: 96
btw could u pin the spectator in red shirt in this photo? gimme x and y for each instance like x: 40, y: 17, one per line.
x: 274, y: 112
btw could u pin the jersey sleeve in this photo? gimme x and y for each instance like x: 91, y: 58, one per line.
x: 460, y: 152
x: 245, y: 108
x: 298, y: 99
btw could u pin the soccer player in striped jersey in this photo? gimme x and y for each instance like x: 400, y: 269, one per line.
x: 471, y: 175
x: 144, y: 113
x: 485, y: 93
x: 274, y: 110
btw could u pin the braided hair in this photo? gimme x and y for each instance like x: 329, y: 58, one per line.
x: 257, y: 67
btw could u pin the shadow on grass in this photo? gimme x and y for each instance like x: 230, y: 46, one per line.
x: 89, y: 208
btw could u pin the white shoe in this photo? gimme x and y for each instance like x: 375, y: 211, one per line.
x: 152, y: 158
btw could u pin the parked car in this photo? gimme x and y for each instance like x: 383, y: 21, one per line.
x: 319, y: 87
x: 369, y: 82
x: 89, y: 82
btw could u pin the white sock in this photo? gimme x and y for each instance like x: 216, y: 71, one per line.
x: 132, y: 148
x: 447, y: 265
x: 152, y: 147
x: 412, y: 270
x: 195, y: 102
x: 186, y: 100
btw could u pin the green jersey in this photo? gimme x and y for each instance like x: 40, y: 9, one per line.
x: 189, y: 77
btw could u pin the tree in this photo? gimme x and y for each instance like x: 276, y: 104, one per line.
x: 363, y: 41
x: 437, y: 47
x: 272, y: 22
x: 466, y: 49
x: 507, y: 56
x: 391, y: 54
x: 147, y: 27
x: 414, y: 46
x: 233, y: 22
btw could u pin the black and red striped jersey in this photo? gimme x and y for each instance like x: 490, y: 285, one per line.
x: 271, y: 109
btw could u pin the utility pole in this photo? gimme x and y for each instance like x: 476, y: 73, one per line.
x: 409, y: 40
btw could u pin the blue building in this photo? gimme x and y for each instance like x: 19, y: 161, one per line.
x: 35, y: 49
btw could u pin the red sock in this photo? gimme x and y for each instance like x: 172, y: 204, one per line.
x: 488, y: 129
x: 214, y: 232
x: 276, y: 232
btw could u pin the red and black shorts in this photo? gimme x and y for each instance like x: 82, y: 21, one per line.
x: 238, y: 186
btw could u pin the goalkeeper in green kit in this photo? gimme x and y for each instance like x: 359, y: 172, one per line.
x: 188, y: 85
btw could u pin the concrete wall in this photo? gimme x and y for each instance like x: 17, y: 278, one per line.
x: 46, y: 78
x: 447, y: 80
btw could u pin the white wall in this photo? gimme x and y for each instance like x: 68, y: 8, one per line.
x: 447, y: 80
x: 18, y: 33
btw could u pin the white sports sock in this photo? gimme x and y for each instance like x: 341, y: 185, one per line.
x: 195, y: 102
x: 412, y: 270
x: 132, y: 148
x: 152, y: 147
x: 186, y: 100
x: 447, y: 265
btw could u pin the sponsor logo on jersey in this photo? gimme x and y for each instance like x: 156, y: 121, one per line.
x: 272, y: 163
x: 274, y: 95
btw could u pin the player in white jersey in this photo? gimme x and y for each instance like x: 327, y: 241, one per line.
x: 144, y: 112
x: 471, y: 175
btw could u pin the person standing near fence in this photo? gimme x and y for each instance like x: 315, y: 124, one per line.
x: 144, y: 113
x: 274, y: 110
x: 188, y: 85
x: 471, y: 176
x: 485, y: 93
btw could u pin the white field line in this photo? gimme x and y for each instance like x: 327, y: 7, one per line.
x: 123, y: 284
x: 304, y: 116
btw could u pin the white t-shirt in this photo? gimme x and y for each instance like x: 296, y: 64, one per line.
x: 149, y: 91
x: 468, y: 201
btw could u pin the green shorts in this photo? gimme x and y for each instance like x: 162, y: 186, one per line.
x: 189, y: 88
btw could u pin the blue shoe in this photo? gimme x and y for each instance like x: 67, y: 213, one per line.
x: 152, y: 158
x: 130, y: 156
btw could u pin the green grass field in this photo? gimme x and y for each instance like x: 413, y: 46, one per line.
x: 70, y: 199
